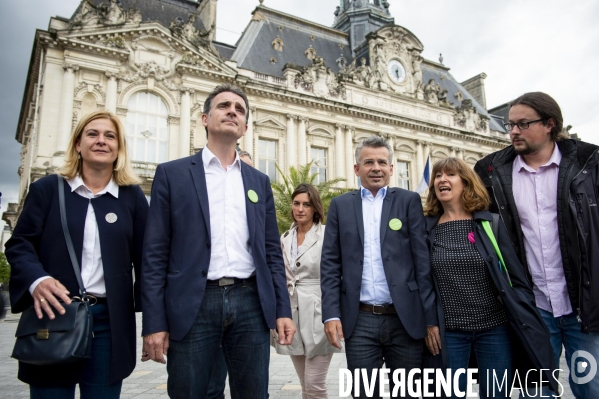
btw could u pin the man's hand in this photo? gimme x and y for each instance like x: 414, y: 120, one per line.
x: 433, y: 340
x: 48, y: 292
x: 155, y: 347
x: 286, y: 330
x: 334, y: 333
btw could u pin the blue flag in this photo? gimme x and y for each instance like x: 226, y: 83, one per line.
x: 426, y: 177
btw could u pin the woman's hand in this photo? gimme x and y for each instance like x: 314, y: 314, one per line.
x: 433, y: 340
x: 48, y: 292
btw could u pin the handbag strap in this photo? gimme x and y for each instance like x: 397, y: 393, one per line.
x: 489, y: 231
x: 67, y: 237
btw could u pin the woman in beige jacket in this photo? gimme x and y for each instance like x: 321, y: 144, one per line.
x: 310, y: 350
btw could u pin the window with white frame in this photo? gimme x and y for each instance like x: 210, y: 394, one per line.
x: 147, y: 128
x: 403, y: 174
x: 319, y: 164
x: 267, y: 158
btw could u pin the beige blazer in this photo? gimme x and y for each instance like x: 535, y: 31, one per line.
x: 304, y: 292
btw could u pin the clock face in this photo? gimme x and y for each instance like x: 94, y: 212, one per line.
x: 396, y: 71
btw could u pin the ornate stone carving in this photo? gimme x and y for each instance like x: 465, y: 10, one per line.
x: 116, y: 41
x: 435, y: 94
x: 320, y: 80
x: 70, y: 67
x: 149, y: 68
x: 187, y: 31
x: 465, y: 116
x: 310, y: 53
x: 459, y: 96
x: 107, y: 13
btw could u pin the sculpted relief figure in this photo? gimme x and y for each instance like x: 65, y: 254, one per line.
x: 467, y: 117
x: 416, y: 69
x: 187, y: 31
x: 320, y: 80
x: 430, y: 92
x: 106, y: 13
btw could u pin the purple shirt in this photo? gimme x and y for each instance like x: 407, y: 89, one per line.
x: 535, y: 193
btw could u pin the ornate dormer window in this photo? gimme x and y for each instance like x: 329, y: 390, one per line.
x: 310, y: 53
x: 278, y: 44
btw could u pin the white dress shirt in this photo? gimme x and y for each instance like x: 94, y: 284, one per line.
x: 92, y: 269
x: 230, y: 254
x: 374, y: 290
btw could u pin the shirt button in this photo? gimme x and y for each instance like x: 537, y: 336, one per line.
x: 203, y: 273
x: 297, y: 264
x: 587, y: 283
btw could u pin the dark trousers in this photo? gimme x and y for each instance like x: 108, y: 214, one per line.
x: 230, y: 317
x: 218, y: 379
x: 96, y: 371
x: 379, y: 339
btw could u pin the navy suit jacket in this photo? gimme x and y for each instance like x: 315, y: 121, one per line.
x: 37, y: 248
x: 177, y: 242
x: 405, y: 256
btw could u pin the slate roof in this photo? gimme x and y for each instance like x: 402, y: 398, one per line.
x: 163, y: 11
x: 452, y: 86
x: 255, y: 50
x: 225, y: 50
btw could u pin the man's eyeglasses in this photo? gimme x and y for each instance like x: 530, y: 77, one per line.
x: 370, y: 162
x: 521, y: 125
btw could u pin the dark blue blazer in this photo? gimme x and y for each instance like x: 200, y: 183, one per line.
x: 177, y: 242
x: 37, y: 248
x: 405, y: 259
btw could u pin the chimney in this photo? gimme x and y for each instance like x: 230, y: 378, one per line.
x: 476, y: 88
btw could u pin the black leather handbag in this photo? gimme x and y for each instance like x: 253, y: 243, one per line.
x: 68, y: 337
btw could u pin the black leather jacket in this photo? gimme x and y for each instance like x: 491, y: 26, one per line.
x: 577, y: 217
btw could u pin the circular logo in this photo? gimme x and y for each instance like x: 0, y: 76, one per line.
x: 582, y: 362
x: 111, y: 217
x: 252, y: 196
x: 395, y: 224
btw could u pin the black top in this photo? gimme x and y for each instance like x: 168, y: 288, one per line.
x: 468, y: 295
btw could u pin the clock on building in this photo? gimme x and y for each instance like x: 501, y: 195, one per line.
x: 396, y: 71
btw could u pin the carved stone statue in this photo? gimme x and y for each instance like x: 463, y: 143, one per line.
x: 467, y: 117
x: 106, y: 13
x: 430, y: 92
x: 320, y: 80
x: 187, y: 31
x: 416, y: 69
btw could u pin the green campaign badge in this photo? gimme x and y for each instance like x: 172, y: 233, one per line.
x: 252, y: 196
x: 395, y: 224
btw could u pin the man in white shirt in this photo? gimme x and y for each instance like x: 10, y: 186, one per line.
x: 377, y: 290
x: 213, y: 274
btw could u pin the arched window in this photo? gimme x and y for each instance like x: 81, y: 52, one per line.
x: 147, y: 130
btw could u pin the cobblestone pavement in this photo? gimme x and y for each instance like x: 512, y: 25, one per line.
x: 148, y: 380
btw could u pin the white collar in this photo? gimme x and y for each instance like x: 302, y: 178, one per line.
x: 208, y: 157
x: 111, y: 188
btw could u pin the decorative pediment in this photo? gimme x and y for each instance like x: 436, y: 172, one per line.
x: 270, y: 122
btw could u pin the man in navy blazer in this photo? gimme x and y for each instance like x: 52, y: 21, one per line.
x: 377, y: 290
x: 212, y: 273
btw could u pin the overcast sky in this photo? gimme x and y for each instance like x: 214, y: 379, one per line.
x: 522, y: 45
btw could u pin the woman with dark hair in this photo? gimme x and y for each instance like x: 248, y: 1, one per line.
x: 106, y: 216
x: 483, y: 304
x: 310, y: 350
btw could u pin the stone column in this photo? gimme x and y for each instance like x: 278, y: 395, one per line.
x: 111, y: 88
x: 65, y: 120
x: 248, y: 138
x: 452, y: 152
x: 349, y: 158
x: 291, y: 142
x: 419, y: 163
x: 391, y: 141
x: 460, y: 153
x: 185, y: 122
x: 339, y: 155
x: 301, y: 141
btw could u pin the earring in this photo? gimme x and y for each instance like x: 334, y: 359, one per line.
x: 78, y: 155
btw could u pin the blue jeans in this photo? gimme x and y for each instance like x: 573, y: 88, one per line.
x: 218, y: 378
x: 565, y: 331
x: 379, y: 339
x: 96, y: 371
x: 493, y: 353
x: 230, y: 316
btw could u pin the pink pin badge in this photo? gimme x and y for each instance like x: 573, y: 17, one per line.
x: 471, y: 237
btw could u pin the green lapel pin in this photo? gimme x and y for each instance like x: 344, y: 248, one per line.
x: 395, y: 224
x: 252, y: 196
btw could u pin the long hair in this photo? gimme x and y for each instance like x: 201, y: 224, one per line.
x: 122, y: 174
x: 474, y: 197
x: 546, y: 107
x: 315, y: 201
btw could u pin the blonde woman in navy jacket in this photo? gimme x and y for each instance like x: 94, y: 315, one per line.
x: 106, y: 213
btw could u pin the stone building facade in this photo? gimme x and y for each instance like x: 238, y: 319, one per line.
x: 314, y: 91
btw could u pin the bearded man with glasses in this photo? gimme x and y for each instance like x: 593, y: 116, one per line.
x: 545, y: 187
